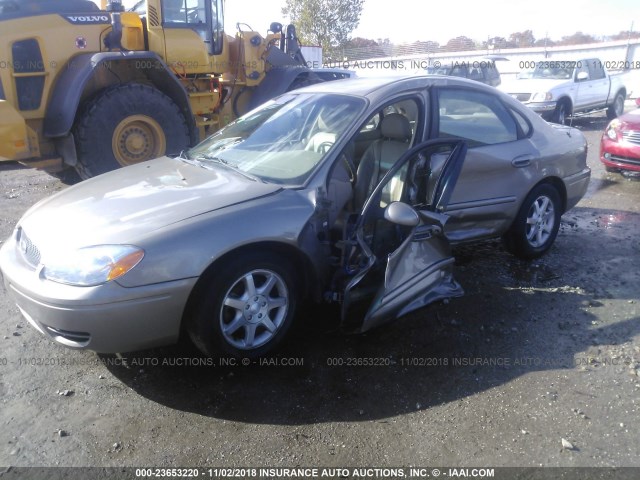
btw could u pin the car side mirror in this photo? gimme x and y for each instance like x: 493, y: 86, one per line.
x: 582, y: 76
x: 402, y: 214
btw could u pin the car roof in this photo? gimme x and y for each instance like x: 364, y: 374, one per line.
x: 334, y: 70
x: 385, y: 86
x: 379, y: 89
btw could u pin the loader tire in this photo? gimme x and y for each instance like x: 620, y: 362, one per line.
x: 127, y: 124
x: 304, y: 81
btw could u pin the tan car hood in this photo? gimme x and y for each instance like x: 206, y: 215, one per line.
x: 128, y: 203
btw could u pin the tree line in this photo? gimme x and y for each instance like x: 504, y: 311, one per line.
x: 329, y: 24
x: 367, y: 48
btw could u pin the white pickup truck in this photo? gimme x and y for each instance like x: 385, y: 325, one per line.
x: 557, y: 89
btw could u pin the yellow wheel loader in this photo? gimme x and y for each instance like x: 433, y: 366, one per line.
x: 91, y: 88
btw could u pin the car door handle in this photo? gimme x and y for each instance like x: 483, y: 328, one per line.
x: 522, y: 161
x: 425, y: 232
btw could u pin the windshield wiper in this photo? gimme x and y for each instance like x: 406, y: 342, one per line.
x: 192, y: 161
x: 203, y: 159
x: 184, y: 154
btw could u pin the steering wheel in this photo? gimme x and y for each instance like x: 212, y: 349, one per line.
x: 324, y: 147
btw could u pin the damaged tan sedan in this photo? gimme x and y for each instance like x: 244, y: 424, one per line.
x: 349, y: 191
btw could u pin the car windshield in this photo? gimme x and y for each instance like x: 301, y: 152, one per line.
x: 440, y: 70
x: 283, y: 140
x: 550, y: 71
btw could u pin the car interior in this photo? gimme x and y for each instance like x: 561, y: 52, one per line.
x: 380, y: 142
x: 362, y: 164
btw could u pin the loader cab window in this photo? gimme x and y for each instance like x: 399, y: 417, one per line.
x: 29, y: 67
x: 140, y: 8
x: 217, y: 29
x: 203, y: 16
x: 184, y: 12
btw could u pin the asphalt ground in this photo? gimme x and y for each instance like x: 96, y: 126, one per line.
x: 537, y: 365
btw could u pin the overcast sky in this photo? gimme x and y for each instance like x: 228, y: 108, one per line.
x: 409, y: 20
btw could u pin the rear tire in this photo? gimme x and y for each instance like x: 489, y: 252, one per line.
x: 536, y: 226
x: 616, y: 108
x: 127, y: 124
x: 245, y: 307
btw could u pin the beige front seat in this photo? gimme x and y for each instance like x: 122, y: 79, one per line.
x: 381, y: 155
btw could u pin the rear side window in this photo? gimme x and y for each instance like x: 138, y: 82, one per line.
x: 479, y: 118
x: 525, y: 127
x: 596, y: 70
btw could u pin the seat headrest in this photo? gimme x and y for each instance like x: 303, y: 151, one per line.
x: 396, y: 126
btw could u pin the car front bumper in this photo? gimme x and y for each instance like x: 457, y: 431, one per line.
x: 108, y: 318
x: 620, y: 155
x: 542, y: 107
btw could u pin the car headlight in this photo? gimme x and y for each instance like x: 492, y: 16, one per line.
x: 612, y: 130
x: 541, y: 97
x: 90, y: 266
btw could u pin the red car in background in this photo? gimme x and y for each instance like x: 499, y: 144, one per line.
x: 620, y: 144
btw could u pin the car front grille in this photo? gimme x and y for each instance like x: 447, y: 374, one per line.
x: 631, y: 136
x: 523, y: 97
x: 622, y: 159
x: 28, y: 250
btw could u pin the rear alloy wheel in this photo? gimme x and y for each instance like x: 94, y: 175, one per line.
x: 616, y: 108
x: 536, y: 226
x: 127, y: 124
x: 246, y: 309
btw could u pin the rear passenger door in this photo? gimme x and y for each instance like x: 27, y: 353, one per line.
x: 500, y: 164
x: 598, y: 83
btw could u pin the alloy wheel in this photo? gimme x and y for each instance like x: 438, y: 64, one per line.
x: 254, y: 309
x: 540, y: 221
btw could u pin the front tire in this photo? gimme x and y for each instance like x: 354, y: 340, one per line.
x: 127, y: 124
x: 561, y: 113
x: 68, y: 176
x: 536, y: 226
x: 616, y: 108
x: 245, y: 308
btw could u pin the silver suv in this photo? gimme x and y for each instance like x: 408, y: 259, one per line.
x: 483, y: 70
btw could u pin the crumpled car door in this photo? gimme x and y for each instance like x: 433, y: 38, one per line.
x: 401, y: 258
